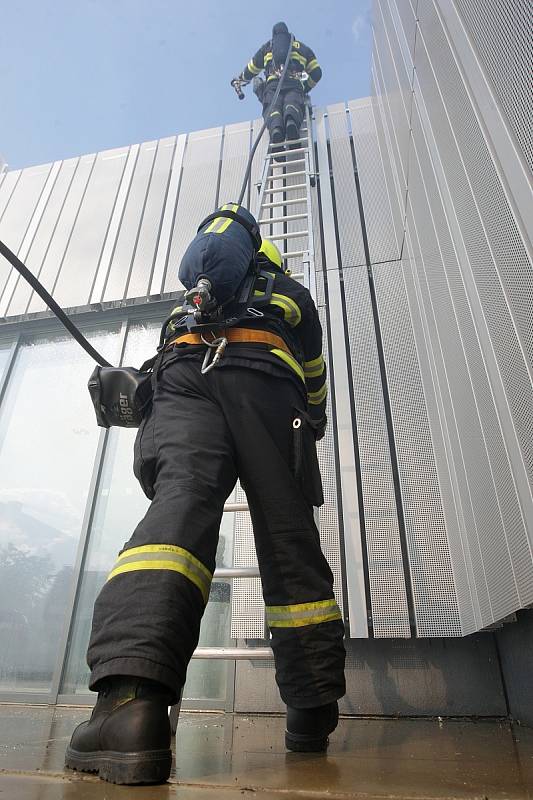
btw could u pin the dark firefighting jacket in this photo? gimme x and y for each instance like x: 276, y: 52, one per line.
x: 302, y: 60
x: 292, y: 315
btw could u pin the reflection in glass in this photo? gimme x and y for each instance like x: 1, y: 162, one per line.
x: 48, y: 440
x: 5, y: 349
x: 119, y: 506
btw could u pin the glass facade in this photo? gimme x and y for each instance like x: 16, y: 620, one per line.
x: 68, y: 502
x: 48, y: 443
x: 118, y: 506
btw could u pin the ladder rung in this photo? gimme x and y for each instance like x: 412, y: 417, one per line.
x: 273, y: 220
x: 291, y: 162
x: 237, y: 653
x: 278, y: 203
x: 294, y: 235
x: 235, y: 506
x: 293, y: 254
x: 289, y: 142
x: 286, y: 175
x: 287, y: 189
x: 289, y: 152
x: 236, y: 572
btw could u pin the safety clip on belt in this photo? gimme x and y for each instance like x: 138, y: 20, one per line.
x: 219, y: 346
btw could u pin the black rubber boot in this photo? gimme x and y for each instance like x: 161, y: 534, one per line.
x: 308, y: 728
x: 275, y: 137
x: 127, y: 739
x: 291, y: 129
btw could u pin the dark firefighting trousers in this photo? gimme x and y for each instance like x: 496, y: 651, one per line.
x: 203, y: 432
x: 290, y: 103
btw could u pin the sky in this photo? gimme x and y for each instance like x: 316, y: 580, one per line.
x: 79, y: 76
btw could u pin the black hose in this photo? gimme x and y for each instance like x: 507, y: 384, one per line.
x: 52, y: 305
x: 261, y: 132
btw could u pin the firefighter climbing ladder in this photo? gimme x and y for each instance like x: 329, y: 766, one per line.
x: 284, y: 213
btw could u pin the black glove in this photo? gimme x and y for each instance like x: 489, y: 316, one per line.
x: 319, y: 427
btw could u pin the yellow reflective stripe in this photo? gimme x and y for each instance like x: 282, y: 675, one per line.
x: 272, y: 78
x: 315, y: 398
x: 297, y: 616
x: 252, y: 68
x: 173, y: 566
x: 268, y: 57
x: 164, y: 556
x: 291, y: 311
x: 290, y: 361
x: 222, y: 222
x: 226, y: 222
x: 314, y: 368
x: 299, y: 58
x: 311, y: 83
x: 213, y: 224
x: 311, y: 65
x: 273, y: 113
x: 166, y: 548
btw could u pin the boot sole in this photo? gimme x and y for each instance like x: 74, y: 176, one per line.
x: 123, y: 768
x: 302, y: 743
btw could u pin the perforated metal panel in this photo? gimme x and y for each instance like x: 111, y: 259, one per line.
x: 235, y: 152
x: 20, y: 205
x: 125, y: 243
x: 152, y: 220
x: 382, y: 242
x: 396, y: 197
x: 390, y: 614
x: 247, y: 606
x: 63, y: 230
x: 330, y: 537
x: 498, y: 519
x: 405, y: 10
x: 197, y: 195
x: 502, y: 34
x: 41, y: 242
x: 395, y: 84
x: 433, y: 585
x: 500, y: 267
x: 347, y: 208
x: 88, y: 235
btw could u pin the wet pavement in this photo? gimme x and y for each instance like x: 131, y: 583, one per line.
x: 226, y: 756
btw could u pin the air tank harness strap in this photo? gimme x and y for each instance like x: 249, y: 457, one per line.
x: 231, y: 335
x: 253, y: 229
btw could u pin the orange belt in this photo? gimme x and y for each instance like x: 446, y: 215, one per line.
x: 237, y: 335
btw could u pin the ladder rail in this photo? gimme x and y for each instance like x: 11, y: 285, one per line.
x: 303, y: 269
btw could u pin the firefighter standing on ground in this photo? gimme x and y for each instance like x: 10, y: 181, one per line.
x: 255, y: 417
x: 285, y: 119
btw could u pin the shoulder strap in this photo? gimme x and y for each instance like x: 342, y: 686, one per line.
x: 253, y: 229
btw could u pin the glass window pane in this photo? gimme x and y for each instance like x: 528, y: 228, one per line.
x: 119, y: 505
x: 48, y: 440
x: 5, y: 350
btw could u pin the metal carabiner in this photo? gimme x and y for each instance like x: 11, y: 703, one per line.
x: 218, y: 345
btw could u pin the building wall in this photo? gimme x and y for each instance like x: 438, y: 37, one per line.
x: 423, y: 285
x: 451, y: 129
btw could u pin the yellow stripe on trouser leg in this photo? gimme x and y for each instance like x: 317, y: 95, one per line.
x: 168, y: 557
x: 297, y: 616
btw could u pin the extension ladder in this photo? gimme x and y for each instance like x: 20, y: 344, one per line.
x: 284, y: 213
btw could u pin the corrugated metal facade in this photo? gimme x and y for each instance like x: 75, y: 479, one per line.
x: 425, y: 290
